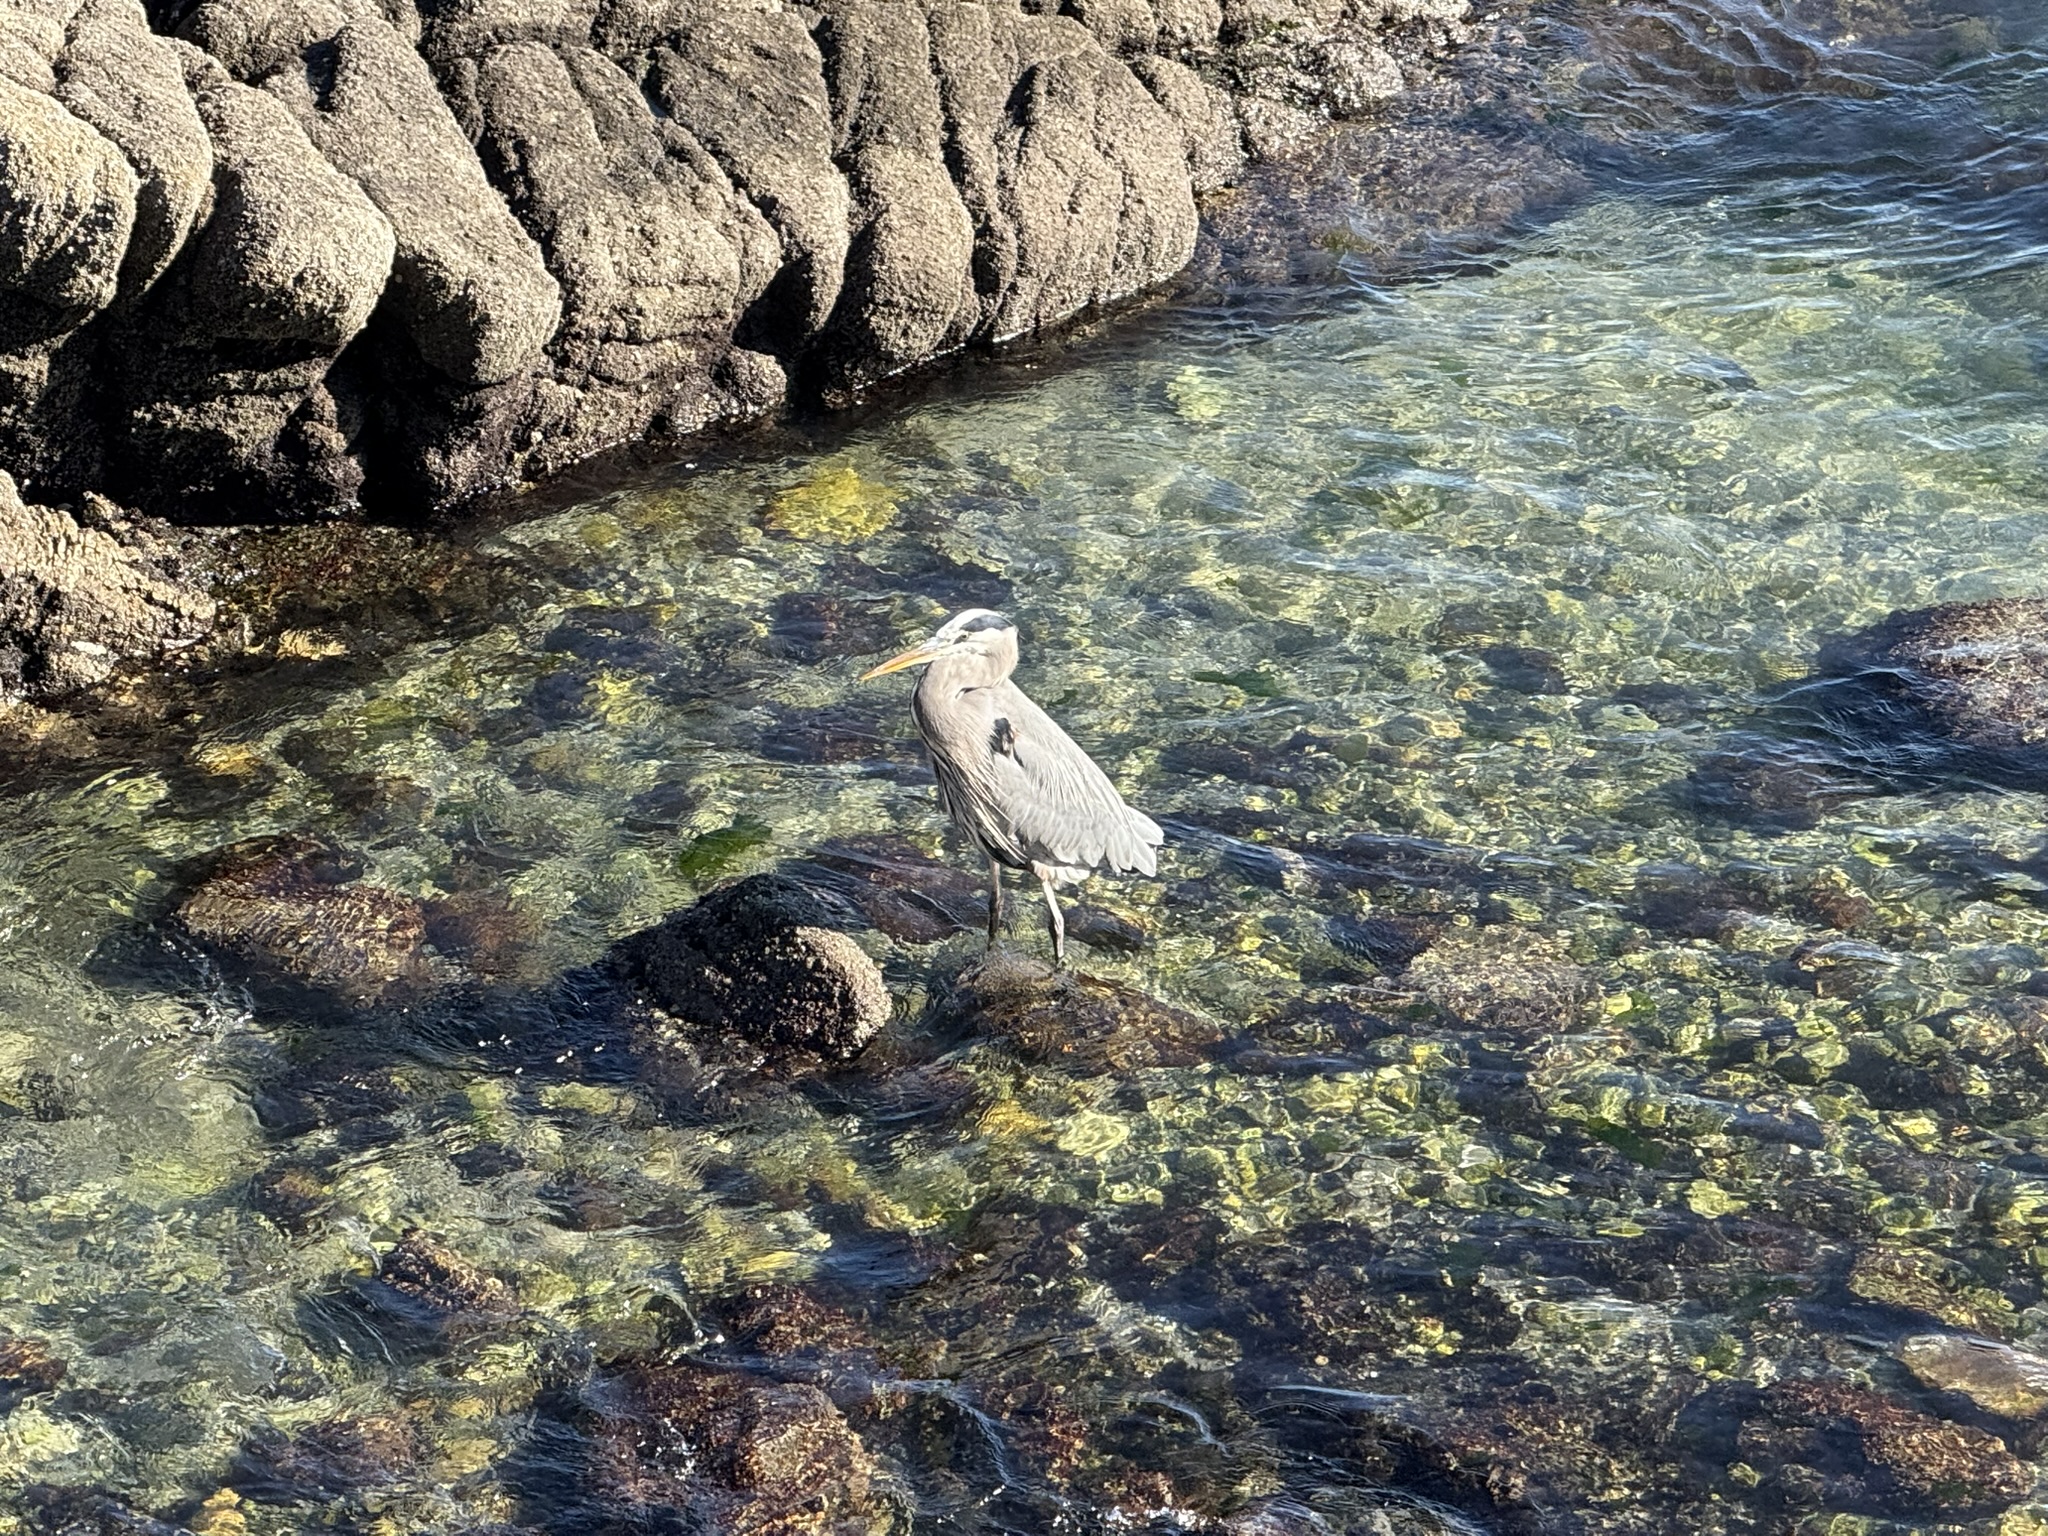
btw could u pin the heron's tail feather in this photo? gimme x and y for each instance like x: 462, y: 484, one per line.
x: 1141, y: 855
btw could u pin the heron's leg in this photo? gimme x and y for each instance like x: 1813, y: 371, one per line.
x: 995, y: 901
x: 1059, y: 923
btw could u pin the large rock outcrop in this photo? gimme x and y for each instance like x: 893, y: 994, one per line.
x: 267, y: 258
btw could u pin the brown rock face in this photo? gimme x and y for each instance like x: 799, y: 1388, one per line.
x: 313, y: 251
x: 77, y: 600
x: 758, y: 959
x: 289, y: 909
x: 741, y: 1454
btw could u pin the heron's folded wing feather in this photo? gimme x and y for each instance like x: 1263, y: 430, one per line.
x: 1064, y: 809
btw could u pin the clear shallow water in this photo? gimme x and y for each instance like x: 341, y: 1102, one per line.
x: 1430, y: 610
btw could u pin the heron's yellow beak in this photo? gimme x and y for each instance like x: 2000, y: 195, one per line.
x: 922, y: 652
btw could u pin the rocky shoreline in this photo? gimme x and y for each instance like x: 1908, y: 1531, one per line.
x: 271, y: 260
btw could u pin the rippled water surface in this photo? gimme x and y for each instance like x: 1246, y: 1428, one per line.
x: 1594, y: 1072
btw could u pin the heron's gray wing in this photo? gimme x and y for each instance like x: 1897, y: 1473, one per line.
x: 1062, y: 808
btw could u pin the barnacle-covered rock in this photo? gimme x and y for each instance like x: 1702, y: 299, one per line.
x: 432, y: 1287
x: 730, y: 1450
x: 328, y: 1460
x: 1998, y: 1378
x: 760, y: 959
x: 1862, y: 1451
x: 1503, y: 978
x: 27, y: 1366
x: 1971, y: 677
x: 1919, y: 1279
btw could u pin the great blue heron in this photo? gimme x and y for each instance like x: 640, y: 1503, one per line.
x: 1010, y: 778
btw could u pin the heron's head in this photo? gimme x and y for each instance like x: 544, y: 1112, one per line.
x: 979, y: 633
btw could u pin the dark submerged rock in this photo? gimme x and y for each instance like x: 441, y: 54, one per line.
x: 333, y: 1091
x: 1774, y: 785
x: 898, y: 887
x: 290, y: 909
x: 329, y: 1460
x: 1388, y: 942
x: 445, y: 1285
x: 760, y: 959
x: 729, y: 1450
x: 27, y: 1366
x: 1292, y: 765
x: 89, y: 1512
x: 1694, y: 904
x: 1964, y: 685
x: 1525, y: 669
x: 662, y: 808
x: 493, y: 938
x: 292, y: 1195
x: 811, y: 627
x: 788, y: 1320
x: 427, y: 1297
x: 1099, y: 928
x: 1665, y: 703
x: 1079, y: 1022
x: 1862, y: 1451
x: 839, y: 733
